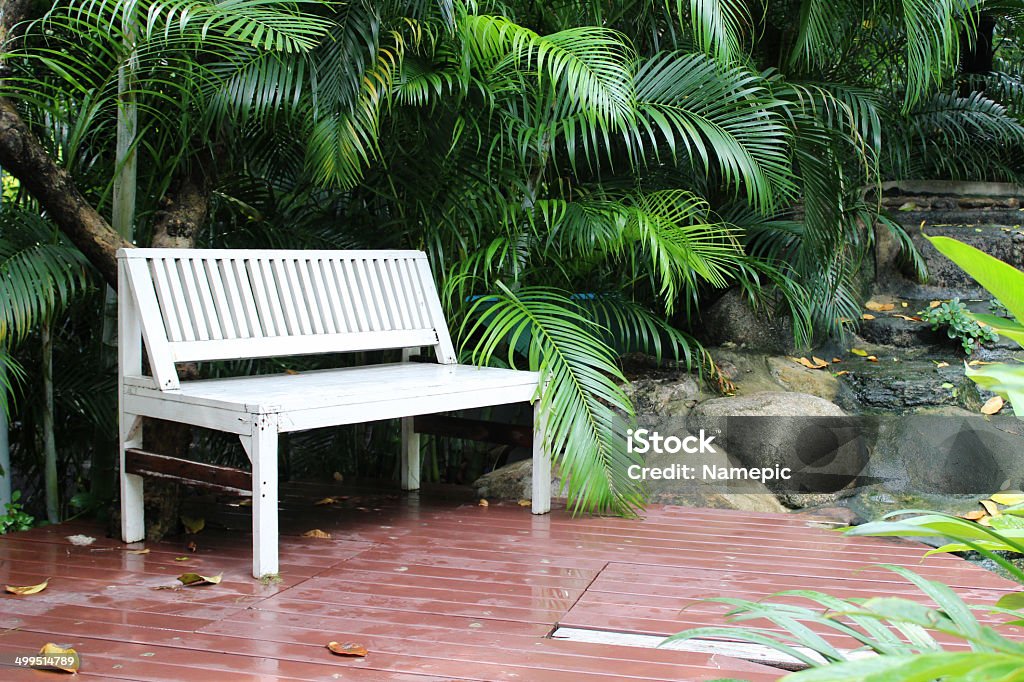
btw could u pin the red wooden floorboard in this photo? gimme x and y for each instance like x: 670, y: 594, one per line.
x: 435, y: 589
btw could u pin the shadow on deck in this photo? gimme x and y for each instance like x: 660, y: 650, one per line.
x: 433, y: 589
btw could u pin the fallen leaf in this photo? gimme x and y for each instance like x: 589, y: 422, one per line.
x: 908, y: 318
x: 975, y: 515
x: 338, y: 477
x: 871, y: 358
x: 814, y: 363
x: 138, y: 551
x: 193, y: 525
x: 194, y: 579
x: 347, y: 649
x: 843, y: 373
x: 934, y: 304
x: 866, y: 316
x: 994, y: 404
x: 525, y: 503
x: 326, y: 500
x: 182, y: 558
x: 940, y: 365
x: 985, y: 521
x: 80, y: 540
x: 837, y: 359
x: 946, y: 384
x: 316, y: 533
x: 483, y: 503
x: 59, y: 652
x: 858, y: 351
x: 904, y: 304
x: 1009, y: 497
x: 290, y: 372
x: 991, y: 507
x: 976, y: 363
x: 28, y: 589
x: 247, y: 502
x: 878, y: 307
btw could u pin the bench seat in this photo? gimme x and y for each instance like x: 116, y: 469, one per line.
x: 365, y: 393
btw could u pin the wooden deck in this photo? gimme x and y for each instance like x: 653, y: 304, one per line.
x: 433, y: 589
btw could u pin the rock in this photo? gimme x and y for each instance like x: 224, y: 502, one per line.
x: 898, y: 383
x: 748, y: 370
x: 809, y: 435
x: 513, y: 482
x: 948, y: 451
x: 670, y: 396
x: 731, y: 320
x: 895, y: 331
x: 800, y: 379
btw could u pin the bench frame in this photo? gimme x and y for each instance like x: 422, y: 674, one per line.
x: 187, y: 305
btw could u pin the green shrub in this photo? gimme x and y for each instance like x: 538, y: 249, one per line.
x: 15, y: 518
x: 954, y: 316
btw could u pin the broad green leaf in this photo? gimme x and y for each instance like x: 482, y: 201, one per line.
x: 1014, y: 600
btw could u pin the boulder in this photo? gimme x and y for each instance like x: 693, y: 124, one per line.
x: 513, y: 482
x: 821, y: 446
x: 948, y: 451
x: 800, y: 379
x: 731, y: 320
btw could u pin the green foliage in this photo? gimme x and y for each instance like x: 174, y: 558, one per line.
x: 954, y: 316
x: 1006, y: 283
x: 910, y: 638
x: 15, y: 518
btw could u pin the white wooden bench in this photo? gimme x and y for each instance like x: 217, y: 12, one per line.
x: 194, y: 305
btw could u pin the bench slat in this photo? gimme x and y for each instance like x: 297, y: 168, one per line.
x: 215, y: 275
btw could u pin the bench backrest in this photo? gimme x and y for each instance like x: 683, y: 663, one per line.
x: 217, y: 304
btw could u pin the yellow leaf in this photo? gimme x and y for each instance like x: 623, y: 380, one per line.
x: 842, y: 373
x: 247, y: 502
x: 525, y: 503
x: 192, y: 525
x: 934, y: 304
x: 991, y: 507
x: 28, y: 589
x: 326, y: 500
x: 316, y: 533
x: 63, y: 659
x: 975, y: 515
x: 985, y: 520
x: 993, y: 405
x: 940, y: 365
x: 138, y: 551
x: 194, y: 579
x: 347, y: 649
x: 483, y: 503
x: 904, y: 304
x: 1009, y: 497
x: 858, y: 351
x: 871, y: 358
x: 878, y: 307
x: 182, y: 558
x: 290, y: 372
x: 816, y: 363
x: 866, y: 316
x: 837, y: 359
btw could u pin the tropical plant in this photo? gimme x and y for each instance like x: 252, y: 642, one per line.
x: 14, y: 517
x: 953, y: 315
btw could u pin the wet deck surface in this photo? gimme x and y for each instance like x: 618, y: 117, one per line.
x: 433, y: 589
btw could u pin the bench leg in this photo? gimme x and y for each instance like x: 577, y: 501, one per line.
x: 541, y: 479
x: 410, y: 456
x: 133, y: 520
x: 262, y: 449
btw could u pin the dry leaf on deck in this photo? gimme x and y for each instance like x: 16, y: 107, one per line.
x: 138, y: 551
x: 483, y: 503
x: 194, y: 579
x: 51, y: 649
x: 182, y: 558
x: 316, y: 533
x: 193, y: 525
x: 291, y: 372
x: 525, y: 503
x: 993, y: 405
x: 326, y: 500
x: 991, y: 507
x: 27, y: 589
x: 347, y: 649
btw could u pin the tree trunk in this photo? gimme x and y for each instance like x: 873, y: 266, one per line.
x: 49, y: 439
